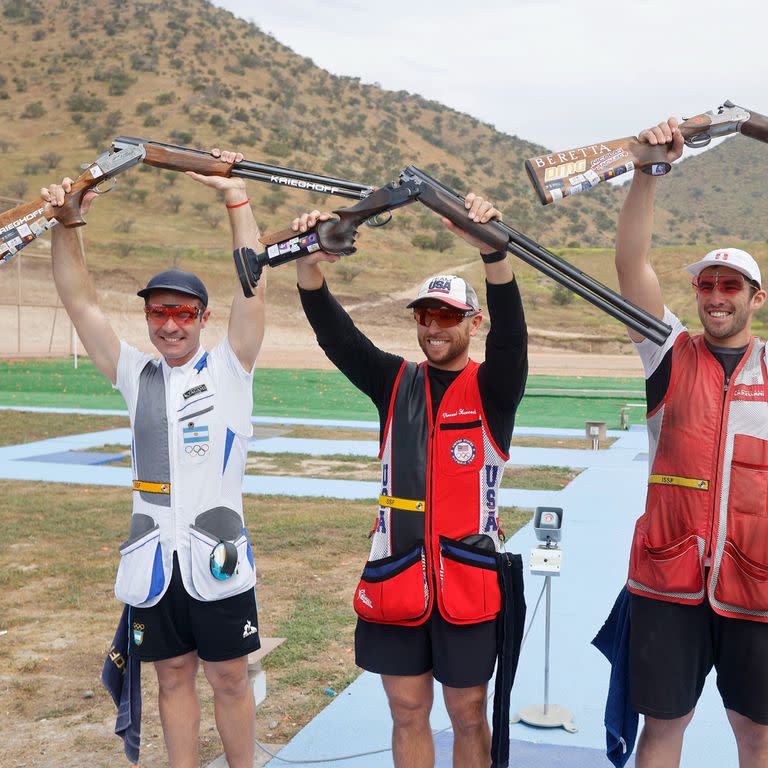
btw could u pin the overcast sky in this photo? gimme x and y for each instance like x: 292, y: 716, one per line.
x: 558, y: 72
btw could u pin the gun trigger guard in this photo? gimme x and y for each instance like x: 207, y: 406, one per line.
x: 103, y: 191
x: 379, y: 219
x: 698, y: 140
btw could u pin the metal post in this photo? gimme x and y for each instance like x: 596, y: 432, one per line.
x: 546, y: 561
x: 548, y: 585
x: 18, y: 306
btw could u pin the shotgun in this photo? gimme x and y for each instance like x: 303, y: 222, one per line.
x: 562, y: 174
x: 175, y: 158
x: 26, y: 222
x: 21, y: 225
x: 338, y: 236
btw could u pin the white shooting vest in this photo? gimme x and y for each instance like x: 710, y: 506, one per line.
x: 190, y: 428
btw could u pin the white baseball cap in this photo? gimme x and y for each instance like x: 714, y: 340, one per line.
x: 734, y: 258
x: 448, y: 289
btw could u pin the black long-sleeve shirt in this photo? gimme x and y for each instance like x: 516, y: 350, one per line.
x: 501, y: 378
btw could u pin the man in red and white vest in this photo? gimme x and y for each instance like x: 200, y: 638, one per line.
x: 429, y: 595
x: 698, y: 573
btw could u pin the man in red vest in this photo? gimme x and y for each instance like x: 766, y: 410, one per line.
x: 429, y: 596
x: 698, y: 573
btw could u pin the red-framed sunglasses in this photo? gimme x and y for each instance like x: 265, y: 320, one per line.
x: 445, y: 317
x: 724, y: 283
x: 182, y: 314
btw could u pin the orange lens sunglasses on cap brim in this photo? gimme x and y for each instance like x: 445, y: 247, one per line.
x: 445, y: 317
x: 181, y: 313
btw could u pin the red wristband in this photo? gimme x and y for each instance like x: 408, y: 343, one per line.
x: 237, y: 205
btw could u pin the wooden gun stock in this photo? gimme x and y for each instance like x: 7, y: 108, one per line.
x: 756, y: 127
x: 180, y: 159
x: 562, y: 174
x: 24, y: 223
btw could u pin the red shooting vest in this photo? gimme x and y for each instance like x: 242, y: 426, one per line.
x: 708, y: 486
x: 440, y: 483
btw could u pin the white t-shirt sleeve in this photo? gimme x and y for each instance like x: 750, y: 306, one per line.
x: 234, y: 385
x: 129, y: 367
x: 651, y: 353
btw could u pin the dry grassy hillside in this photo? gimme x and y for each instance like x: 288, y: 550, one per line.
x: 721, y: 193
x: 187, y: 72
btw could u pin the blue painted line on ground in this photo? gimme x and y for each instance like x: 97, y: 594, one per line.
x: 78, y: 457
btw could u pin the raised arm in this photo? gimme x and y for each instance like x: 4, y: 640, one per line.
x: 246, y: 317
x: 637, y: 279
x: 76, y: 288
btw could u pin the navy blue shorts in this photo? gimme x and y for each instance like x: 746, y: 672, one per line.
x: 218, y: 630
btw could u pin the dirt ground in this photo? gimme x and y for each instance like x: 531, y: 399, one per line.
x: 35, y: 324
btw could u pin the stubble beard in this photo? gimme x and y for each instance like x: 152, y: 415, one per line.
x: 456, y: 349
x: 738, y: 322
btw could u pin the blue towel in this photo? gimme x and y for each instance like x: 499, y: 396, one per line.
x: 121, y: 676
x: 620, y: 719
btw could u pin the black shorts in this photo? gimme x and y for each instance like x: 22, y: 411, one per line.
x: 673, y: 647
x: 218, y: 630
x: 459, y: 655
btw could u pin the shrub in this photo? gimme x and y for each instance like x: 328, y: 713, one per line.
x: 422, y: 242
x: 143, y: 62
x: 174, y: 203
x: 33, y: 110
x: 51, y: 160
x: 274, y: 199
x: 277, y: 148
x: 182, y: 137
x: 118, y: 79
x: 19, y: 188
x: 249, y: 60
x: 561, y: 295
x: 82, y: 102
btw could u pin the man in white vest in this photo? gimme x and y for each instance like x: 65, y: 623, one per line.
x: 698, y: 573
x: 186, y: 569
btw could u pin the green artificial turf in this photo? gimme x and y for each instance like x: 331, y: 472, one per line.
x: 551, y: 401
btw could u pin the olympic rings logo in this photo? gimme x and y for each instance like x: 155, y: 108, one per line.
x: 197, y: 450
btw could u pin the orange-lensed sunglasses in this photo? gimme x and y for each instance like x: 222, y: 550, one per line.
x: 445, y: 317
x: 181, y: 313
x: 724, y: 283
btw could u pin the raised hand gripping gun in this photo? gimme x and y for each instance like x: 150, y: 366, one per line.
x: 22, y: 224
x: 562, y: 174
x: 338, y: 236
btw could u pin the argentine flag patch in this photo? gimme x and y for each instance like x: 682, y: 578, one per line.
x: 196, y: 441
